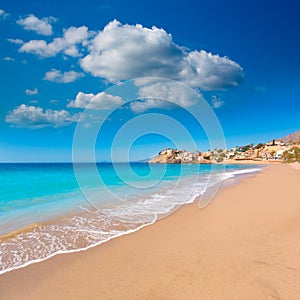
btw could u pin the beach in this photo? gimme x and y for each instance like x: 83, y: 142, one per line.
x: 243, y: 245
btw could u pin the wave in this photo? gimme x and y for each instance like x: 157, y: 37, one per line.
x: 91, y: 228
x: 245, y: 171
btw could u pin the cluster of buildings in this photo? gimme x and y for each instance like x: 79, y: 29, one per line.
x: 271, y: 151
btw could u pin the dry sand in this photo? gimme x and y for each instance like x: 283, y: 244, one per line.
x: 251, y: 162
x: 244, y: 245
x: 296, y: 165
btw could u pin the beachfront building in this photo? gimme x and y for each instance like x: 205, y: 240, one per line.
x: 275, y: 143
x: 270, y: 151
x: 279, y: 154
x: 230, y: 155
x: 166, y: 151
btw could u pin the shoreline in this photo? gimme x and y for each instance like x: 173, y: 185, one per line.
x: 230, y: 162
x: 167, y: 236
x: 253, y: 162
x: 38, y: 227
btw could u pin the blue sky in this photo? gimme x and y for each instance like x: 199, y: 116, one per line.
x: 57, y: 57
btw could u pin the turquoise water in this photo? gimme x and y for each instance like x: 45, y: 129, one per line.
x: 75, y: 212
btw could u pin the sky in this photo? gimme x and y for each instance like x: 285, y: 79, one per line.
x: 59, y: 59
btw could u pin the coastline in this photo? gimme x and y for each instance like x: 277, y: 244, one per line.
x: 74, y: 233
x: 252, y: 162
x: 233, y: 162
x: 226, y: 250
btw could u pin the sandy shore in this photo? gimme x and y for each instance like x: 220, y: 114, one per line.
x: 251, y: 162
x: 244, y: 245
x: 296, y: 165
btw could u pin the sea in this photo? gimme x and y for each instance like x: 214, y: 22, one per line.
x: 48, y: 209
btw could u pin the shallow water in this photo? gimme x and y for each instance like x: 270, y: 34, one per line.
x: 120, y: 199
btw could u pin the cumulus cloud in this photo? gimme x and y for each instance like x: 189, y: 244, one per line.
x: 121, y: 52
x: 210, y: 72
x: 170, y: 91
x: 66, y: 77
x: 8, y: 58
x: 3, y: 14
x: 100, y: 101
x: 157, y: 93
x: 124, y: 51
x: 41, y: 26
x: 16, y: 41
x: 31, y: 92
x: 144, y: 105
x: 216, y: 102
x: 35, y: 117
x: 67, y: 44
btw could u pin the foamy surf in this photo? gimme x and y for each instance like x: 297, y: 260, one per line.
x: 94, y: 227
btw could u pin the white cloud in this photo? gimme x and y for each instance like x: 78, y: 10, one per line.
x: 39, y: 47
x: 16, y: 41
x: 3, y: 14
x: 143, y: 81
x: 31, y: 92
x: 68, y: 43
x: 124, y: 51
x: 121, y: 52
x: 36, y: 117
x: 66, y: 77
x: 8, y: 58
x: 217, y: 102
x: 160, y: 94
x: 41, y: 26
x: 210, y: 72
x: 101, y: 101
x: 143, y: 105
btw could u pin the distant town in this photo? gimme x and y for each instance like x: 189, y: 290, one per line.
x: 282, y: 150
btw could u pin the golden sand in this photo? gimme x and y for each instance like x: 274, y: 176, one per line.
x: 19, y: 231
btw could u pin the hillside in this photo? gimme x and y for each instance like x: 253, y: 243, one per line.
x: 282, y: 149
x: 294, y: 137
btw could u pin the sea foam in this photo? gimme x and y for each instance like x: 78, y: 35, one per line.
x: 91, y: 227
